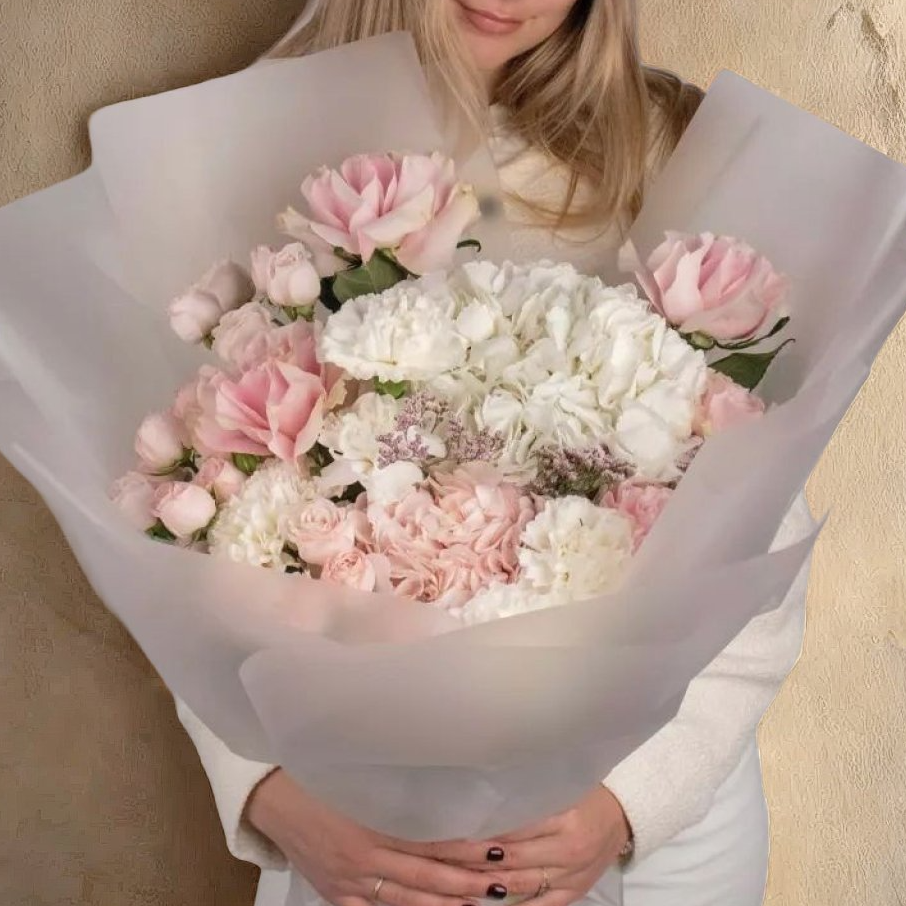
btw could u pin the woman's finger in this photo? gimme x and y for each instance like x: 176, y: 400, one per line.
x: 395, y: 894
x: 547, y: 828
x: 428, y: 876
x: 461, y: 851
x: 549, y: 852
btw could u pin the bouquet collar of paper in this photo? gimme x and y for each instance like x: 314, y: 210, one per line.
x: 360, y: 695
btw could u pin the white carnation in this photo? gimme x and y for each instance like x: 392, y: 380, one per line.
x: 575, y: 547
x: 253, y: 526
x: 407, y: 333
x: 499, y: 601
x: 352, y: 435
x: 573, y: 362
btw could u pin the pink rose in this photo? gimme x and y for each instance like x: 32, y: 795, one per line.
x: 287, y: 277
x: 411, y: 205
x: 192, y: 402
x: 241, y: 334
x: 134, y: 495
x: 724, y: 404
x: 322, y: 530
x: 221, y: 478
x: 275, y: 409
x: 183, y: 508
x: 715, y: 285
x: 356, y: 569
x: 641, y: 503
x: 159, y: 442
x: 195, y: 313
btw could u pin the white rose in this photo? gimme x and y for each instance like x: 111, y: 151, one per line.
x: 575, y: 547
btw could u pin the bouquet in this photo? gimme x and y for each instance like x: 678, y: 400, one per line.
x: 461, y: 436
x: 488, y: 439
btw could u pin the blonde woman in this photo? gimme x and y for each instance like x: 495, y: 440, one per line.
x: 578, y: 127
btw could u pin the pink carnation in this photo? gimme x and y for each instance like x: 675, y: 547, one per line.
x: 724, y: 404
x: 641, y: 503
x: 459, y: 534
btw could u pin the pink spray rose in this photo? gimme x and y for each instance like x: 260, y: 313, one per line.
x: 287, y: 277
x: 242, y: 335
x: 183, y: 508
x: 724, y: 404
x: 159, y: 442
x: 134, y: 495
x: 322, y: 530
x: 356, y: 569
x: 640, y: 503
x: 196, y: 312
x: 275, y: 409
x: 221, y: 478
x: 410, y: 204
x: 715, y: 285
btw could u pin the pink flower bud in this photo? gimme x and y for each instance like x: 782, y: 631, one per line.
x: 183, y: 508
x: 134, y: 495
x: 196, y: 312
x: 724, y: 404
x: 159, y: 442
x: 291, y: 278
x: 221, y: 478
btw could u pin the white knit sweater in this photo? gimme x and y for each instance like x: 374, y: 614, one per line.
x: 668, y: 783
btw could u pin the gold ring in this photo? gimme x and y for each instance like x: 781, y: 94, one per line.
x: 377, y: 889
x: 545, y: 884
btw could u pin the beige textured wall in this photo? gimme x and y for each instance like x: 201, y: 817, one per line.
x: 102, y: 799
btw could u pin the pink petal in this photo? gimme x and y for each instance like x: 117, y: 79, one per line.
x: 433, y: 247
x: 682, y: 297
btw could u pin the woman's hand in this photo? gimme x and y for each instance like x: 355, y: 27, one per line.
x: 570, y: 851
x: 343, y: 861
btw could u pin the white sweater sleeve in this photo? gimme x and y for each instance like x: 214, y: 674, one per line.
x: 667, y: 784
x: 670, y: 781
x: 232, y: 780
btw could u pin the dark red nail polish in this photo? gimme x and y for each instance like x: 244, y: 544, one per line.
x: 497, y: 892
x: 495, y: 854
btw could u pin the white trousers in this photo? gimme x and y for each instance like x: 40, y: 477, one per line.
x: 720, y: 861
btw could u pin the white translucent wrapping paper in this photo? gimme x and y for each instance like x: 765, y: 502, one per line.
x: 372, y: 703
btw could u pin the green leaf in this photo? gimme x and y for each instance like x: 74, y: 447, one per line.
x: 379, y: 274
x: 747, y: 368
x: 396, y: 389
x: 159, y: 532
x: 469, y: 244
x: 300, y: 312
x: 745, y: 344
x: 246, y: 462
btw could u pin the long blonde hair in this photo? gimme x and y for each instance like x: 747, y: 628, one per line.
x: 583, y: 96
